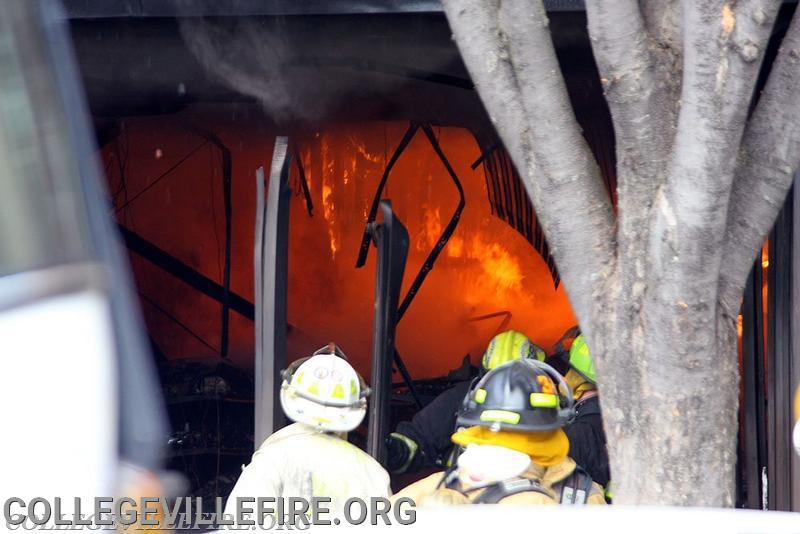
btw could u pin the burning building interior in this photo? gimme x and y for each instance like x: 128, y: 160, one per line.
x: 372, y: 98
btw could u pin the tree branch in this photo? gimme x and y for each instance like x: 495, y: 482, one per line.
x: 639, y: 100
x: 767, y: 163
x: 509, y: 54
x: 662, y: 18
x: 723, y: 48
x: 641, y: 82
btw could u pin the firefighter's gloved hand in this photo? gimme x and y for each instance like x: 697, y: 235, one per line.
x: 400, y: 452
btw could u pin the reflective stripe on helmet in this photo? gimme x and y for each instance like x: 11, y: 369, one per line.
x: 500, y: 416
x: 544, y: 400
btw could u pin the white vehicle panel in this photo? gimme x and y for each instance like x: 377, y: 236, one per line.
x: 59, y: 398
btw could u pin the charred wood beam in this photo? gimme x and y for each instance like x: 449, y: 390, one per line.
x: 169, y: 263
x: 304, y: 183
x: 488, y: 152
x: 446, y: 233
x: 373, y: 210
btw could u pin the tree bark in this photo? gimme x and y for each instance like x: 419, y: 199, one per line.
x: 766, y: 166
x: 656, y: 288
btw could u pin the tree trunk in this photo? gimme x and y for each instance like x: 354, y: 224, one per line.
x: 656, y: 284
x: 673, y: 427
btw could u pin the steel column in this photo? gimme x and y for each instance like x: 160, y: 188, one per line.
x: 779, y: 357
x: 391, y: 238
x: 271, y: 267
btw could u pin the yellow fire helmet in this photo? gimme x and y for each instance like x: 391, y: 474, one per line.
x: 325, y: 392
x: 509, y: 346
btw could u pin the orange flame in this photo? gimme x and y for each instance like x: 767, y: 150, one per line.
x: 328, y: 204
x: 486, y: 267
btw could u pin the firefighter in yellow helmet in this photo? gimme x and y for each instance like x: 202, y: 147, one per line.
x: 516, y: 450
x: 425, y: 440
x: 325, y: 397
x: 587, y: 438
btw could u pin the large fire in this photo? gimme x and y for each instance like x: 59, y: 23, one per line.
x: 486, y: 267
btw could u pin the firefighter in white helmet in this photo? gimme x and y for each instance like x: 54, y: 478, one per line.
x: 326, y: 398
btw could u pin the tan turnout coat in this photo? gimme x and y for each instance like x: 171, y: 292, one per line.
x: 425, y: 491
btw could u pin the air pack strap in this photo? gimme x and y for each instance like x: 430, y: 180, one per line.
x: 494, y: 493
x: 497, y: 492
x: 590, y: 406
x: 575, y: 489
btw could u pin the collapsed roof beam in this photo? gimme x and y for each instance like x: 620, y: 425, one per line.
x: 169, y: 263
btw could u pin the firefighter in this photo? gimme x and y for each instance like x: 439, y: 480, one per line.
x: 516, y: 448
x: 326, y: 398
x: 425, y: 440
x: 587, y: 439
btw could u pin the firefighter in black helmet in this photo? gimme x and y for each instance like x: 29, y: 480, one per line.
x: 425, y: 440
x: 516, y: 449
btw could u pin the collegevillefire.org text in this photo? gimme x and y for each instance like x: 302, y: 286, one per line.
x: 266, y: 513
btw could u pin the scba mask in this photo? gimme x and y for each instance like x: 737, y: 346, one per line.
x: 483, y: 465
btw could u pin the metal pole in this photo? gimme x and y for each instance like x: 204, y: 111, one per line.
x: 779, y: 358
x: 271, y: 272
x: 794, y: 364
x: 752, y: 422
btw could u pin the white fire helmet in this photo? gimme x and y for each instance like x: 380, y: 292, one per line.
x: 325, y: 392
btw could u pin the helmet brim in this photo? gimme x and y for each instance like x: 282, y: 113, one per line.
x: 584, y: 375
x: 529, y: 422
